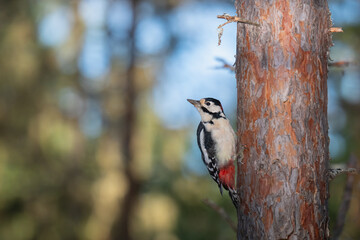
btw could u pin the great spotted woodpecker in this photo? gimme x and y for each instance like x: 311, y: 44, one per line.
x: 216, y: 140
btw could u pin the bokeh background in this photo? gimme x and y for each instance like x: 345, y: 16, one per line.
x: 96, y: 133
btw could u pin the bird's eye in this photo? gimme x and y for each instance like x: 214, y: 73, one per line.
x: 207, y: 103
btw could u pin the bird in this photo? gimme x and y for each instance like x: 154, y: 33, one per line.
x: 217, y: 142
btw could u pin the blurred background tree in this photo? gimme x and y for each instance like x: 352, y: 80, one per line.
x: 93, y: 113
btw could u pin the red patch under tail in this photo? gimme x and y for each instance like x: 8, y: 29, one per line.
x: 227, y: 175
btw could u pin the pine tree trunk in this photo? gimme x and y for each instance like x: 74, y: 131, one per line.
x: 281, y: 72
x: 121, y: 225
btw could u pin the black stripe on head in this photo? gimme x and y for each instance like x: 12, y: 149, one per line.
x: 215, y: 101
x: 207, y: 111
x: 214, y: 114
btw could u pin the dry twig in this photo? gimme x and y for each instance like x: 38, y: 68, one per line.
x: 225, y: 64
x: 231, y: 19
x: 336, y: 29
x: 334, y: 172
x: 345, y: 203
x: 221, y: 212
x: 340, y: 64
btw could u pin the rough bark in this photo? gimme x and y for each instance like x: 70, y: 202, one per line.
x: 281, y: 72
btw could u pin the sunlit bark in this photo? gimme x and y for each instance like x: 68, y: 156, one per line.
x: 281, y: 72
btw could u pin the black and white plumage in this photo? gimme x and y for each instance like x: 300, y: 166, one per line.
x: 216, y: 140
x: 207, y: 148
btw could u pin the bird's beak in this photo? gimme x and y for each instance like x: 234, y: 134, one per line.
x: 194, y: 102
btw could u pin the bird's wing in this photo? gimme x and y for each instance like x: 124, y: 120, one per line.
x: 207, y: 148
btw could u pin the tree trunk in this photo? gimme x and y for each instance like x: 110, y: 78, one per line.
x: 281, y: 72
x: 121, y: 226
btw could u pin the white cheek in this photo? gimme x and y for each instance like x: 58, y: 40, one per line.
x: 215, y: 108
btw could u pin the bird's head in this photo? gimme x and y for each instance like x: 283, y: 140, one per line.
x: 209, y: 108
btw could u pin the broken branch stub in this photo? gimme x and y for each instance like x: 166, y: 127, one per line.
x: 230, y: 19
x: 336, y: 29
